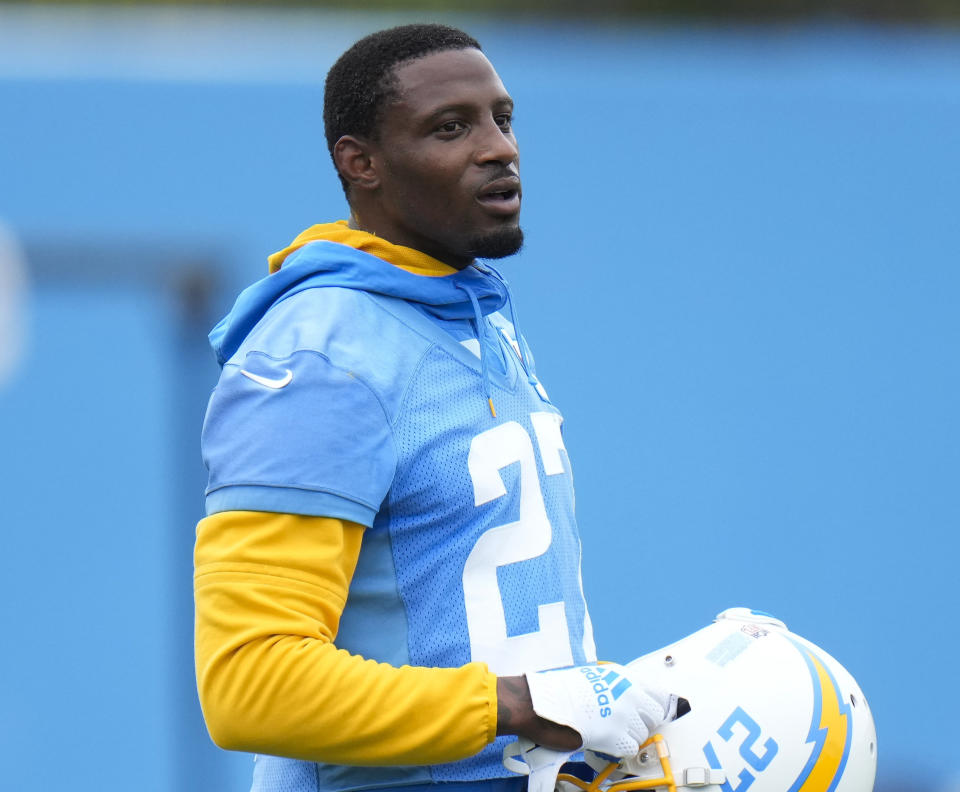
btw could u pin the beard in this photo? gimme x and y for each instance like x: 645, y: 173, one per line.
x: 496, y: 244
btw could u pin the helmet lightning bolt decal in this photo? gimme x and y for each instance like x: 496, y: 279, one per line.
x: 830, y: 730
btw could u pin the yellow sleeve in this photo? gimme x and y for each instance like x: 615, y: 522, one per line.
x: 269, y: 590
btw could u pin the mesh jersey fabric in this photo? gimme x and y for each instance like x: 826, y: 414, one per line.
x: 272, y: 774
x: 378, y: 424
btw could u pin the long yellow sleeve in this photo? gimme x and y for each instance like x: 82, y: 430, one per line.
x: 270, y: 589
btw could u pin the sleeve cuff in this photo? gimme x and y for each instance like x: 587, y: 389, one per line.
x: 288, y: 500
x: 494, y: 712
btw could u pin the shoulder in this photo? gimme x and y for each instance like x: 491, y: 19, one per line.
x: 346, y: 329
x: 323, y: 317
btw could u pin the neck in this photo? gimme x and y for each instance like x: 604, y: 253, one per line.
x: 377, y: 229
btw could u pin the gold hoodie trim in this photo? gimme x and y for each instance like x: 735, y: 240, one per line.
x: 403, y: 257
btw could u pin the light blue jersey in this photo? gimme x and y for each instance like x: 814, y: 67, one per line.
x: 354, y: 389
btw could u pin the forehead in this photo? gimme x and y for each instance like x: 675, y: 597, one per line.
x: 448, y: 78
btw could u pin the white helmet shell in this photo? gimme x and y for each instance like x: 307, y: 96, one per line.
x: 769, y: 712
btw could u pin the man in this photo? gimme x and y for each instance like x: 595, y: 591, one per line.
x: 379, y: 427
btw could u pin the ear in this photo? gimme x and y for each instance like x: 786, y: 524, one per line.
x: 352, y: 157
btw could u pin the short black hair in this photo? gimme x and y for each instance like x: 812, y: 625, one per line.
x: 362, y: 80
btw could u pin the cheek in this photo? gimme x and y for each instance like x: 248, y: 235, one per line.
x: 436, y: 172
x: 429, y: 190
x: 436, y: 194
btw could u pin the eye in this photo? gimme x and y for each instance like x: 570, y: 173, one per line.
x: 504, y: 121
x: 450, y: 128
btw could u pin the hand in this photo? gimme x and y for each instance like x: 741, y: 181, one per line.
x: 515, y: 715
x: 613, y: 713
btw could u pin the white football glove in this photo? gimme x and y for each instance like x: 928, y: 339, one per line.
x: 613, y: 713
x: 541, y: 764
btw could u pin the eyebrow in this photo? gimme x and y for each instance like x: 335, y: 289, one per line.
x: 506, y: 102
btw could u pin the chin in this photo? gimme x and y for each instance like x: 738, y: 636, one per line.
x: 496, y: 244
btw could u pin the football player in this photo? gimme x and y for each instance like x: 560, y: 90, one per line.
x: 390, y: 550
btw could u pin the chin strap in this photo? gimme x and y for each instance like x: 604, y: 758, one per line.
x: 541, y: 764
x: 649, y: 770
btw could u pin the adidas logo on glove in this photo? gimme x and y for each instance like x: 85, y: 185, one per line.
x: 601, y: 678
x: 612, y: 712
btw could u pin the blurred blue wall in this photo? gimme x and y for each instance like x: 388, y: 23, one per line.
x: 749, y: 235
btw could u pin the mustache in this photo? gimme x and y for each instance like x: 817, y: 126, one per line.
x: 503, y: 172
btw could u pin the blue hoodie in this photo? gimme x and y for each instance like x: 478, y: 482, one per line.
x: 354, y: 389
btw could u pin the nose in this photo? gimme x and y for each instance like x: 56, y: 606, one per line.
x: 495, y: 145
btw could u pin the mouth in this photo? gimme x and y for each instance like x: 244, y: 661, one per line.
x: 502, y: 196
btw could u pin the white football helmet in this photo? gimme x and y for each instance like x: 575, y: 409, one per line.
x: 769, y: 712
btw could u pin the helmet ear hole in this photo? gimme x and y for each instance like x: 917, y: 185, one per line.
x: 683, y: 707
x: 853, y: 700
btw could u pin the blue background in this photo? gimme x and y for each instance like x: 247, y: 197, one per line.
x: 747, y: 235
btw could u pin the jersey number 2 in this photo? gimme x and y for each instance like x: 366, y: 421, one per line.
x: 526, y: 538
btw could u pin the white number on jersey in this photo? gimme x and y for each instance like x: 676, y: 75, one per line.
x: 522, y: 540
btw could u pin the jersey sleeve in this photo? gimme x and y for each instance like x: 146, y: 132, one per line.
x: 270, y: 589
x: 299, y: 435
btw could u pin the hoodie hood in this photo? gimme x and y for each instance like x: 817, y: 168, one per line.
x: 333, y: 254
